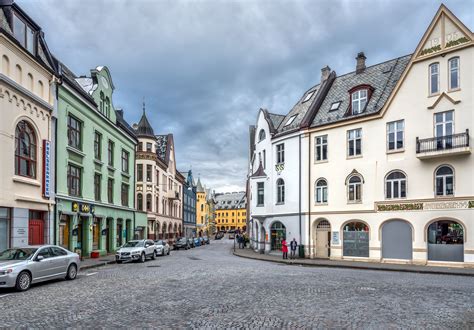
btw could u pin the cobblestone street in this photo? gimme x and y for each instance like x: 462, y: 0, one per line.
x: 209, y: 287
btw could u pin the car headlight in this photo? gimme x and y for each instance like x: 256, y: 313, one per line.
x: 6, y: 271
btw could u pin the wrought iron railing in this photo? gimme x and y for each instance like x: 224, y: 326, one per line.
x: 440, y: 143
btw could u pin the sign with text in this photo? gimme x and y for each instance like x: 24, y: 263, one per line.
x: 46, y: 168
x: 335, y: 238
x: 83, y: 208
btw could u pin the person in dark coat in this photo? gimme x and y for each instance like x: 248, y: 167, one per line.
x: 293, y: 246
x: 284, y: 249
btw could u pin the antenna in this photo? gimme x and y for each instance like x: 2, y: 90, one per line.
x: 144, y: 105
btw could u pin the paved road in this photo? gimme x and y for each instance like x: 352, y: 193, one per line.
x: 209, y: 287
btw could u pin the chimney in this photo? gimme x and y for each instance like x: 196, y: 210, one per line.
x: 360, y: 67
x: 6, y: 3
x: 325, y: 73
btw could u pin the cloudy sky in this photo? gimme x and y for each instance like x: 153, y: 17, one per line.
x: 206, y: 67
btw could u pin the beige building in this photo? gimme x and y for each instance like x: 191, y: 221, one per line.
x: 26, y: 131
x: 159, y: 187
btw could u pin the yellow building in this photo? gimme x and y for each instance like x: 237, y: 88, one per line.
x: 231, y: 211
x: 205, y: 211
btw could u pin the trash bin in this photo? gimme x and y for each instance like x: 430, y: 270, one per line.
x: 301, y: 251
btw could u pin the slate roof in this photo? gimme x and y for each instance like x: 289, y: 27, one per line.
x: 199, y: 187
x: 382, y: 77
x: 162, y: 145
x: 144, y: 128
x: 260, y: 172
x: 235, y: 200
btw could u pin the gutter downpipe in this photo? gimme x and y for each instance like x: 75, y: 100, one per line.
x: 299, y: 183
x: 309, y: 193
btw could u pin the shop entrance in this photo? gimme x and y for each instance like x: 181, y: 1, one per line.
x: 64, y: 232
x: 397, y: 240
x: 278, y: 234
x: 323, y: 239
x: 107, y: 235
x: 119, y: 233
x: 96, y: 234
x: 36, y: 228
x: 446, y: 241
x: 356, y: 240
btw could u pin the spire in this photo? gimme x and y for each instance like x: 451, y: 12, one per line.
x: 199, y: 186
x: 144, y: 128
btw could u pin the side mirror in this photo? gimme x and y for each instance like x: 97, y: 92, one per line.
x: 39, y: 258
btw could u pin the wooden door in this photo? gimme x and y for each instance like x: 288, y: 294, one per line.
x: 36, y: 232
x: 322, y: 244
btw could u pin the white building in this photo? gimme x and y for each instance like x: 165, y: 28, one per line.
x: 390, y: 170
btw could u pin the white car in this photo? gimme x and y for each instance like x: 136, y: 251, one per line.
x: 162, y: 248
x: 137, y: 250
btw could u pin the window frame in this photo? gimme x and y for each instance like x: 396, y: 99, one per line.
x: 110, y: 190
x: 430, y: 74
x: 260, y: 194
x: 319, y: 192
x: 323, y: 144
x: 359, y: 100
x: 280, y: 153
x: 139, y: 172
x: 392, y: 185
x: 261, y: 135
x: 25, y: 41
x: 97, y: 187
x: 349, y: 184
x: 458, y: 87
x: 125, y: 161
x: 396, y: 124
x: 77, y: 178
x: 31, y: 161
x: 97, y: 145
x: 280, y: 185
x: 76, y: 131
x: 354, y: 140
x: 125, y: 201
x: 110, y: 152
x: 453, y: 175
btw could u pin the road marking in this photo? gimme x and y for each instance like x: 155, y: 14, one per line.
x: 4, y: 295
x: 90, y: 274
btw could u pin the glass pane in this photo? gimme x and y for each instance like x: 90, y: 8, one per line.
x: 325, y: 194
x: 325, y: 152
x: 395, y: 190
x: 30, y: 40
x: 351, y: 193
x: 359, y: 191
x: 389, y: 190
x: 19, y: 30
x: 449, y: 115
x: 403, y: 188
x: 391, y: 141
x: 449, y: 185
x: 358, y: 147
x: 351, y: 148
x: 454, y: 79
x: 439, y: 186
x: 399, y: 140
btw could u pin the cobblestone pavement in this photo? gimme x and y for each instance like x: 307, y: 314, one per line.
x: 209, y: 287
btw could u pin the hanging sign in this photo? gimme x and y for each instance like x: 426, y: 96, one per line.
x: 83, y: 208
x: 46, y: 168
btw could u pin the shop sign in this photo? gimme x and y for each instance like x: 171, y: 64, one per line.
x: 335, y: 238
x: 83, y: 208
x: 400, y: 207
x: 448, y: 205
x: 426, y: 206
x: 46, y: 168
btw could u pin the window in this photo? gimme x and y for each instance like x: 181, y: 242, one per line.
x: 260, y: 194
x: 396, y: 185
x: 453, y: 73
x: 264, y: 159
x: 101, y: 102
x: 25, y: 150
x: 335, y: 106
x: 139, y: 202
x: 280, y: 192
x: 125, y: 156
x: 110, y: 153
x: 280, y: 153
x: 107, y: 107
x: 308, y: 96
x: 74, y: 180
x: 97, y: 145
x: 148, y: 146
x: 434, y: 78
x: 290, y: 120
x: 321, y: 145
x: 354, y: 142
x: 444, y: 178
x: 124, y: 194
x: 140, y: 146
x: 149, y: 171
x: 139, y: 172
x: 395, y: 135
x: 74, y: 132
x: 359, y: 101
x: 24, y: 34
x: 110, y: 190
x: 321, y: 191
x: 97, y: 179
x: 444, y: 129
x: 354, y: 189
x: 148, y: 202
x: 163, y: 182
x: 261, y: 135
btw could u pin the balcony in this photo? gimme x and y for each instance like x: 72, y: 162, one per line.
x: 172, y: 194
x: 441, y: 146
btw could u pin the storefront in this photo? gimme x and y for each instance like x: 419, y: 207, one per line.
x: 278, y: 234
x: 5, y: 216
x: 356, y: 240
x: 397, y: 240
x: 446, y: 241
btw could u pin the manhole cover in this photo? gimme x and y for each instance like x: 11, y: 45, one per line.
x: 194, y: 258
x: 153, y: 266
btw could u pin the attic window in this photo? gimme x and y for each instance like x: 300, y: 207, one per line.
x: 290, y: 120
x: 308, y: 96
x: 23, y: 33
x: 359, y: 101
x: 335, y: 106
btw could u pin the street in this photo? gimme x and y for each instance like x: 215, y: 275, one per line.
x: 209, y: 287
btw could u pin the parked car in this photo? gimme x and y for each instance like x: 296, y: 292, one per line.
x: 136, y: 250
x: 162, y: 248
x: 197, y: 242
x: 181, y: 243
x: 232, y: 235
x: 206, y: 240
x: 201, y: 240
x: 191, y: 242
x: 22, y: 267
x: 219, y: 235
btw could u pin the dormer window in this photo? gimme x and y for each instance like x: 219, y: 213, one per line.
x: 290, y: 120
x: 359, y: 101
x: 308, y: 96
x: 261, y: 135
x: 335, y: 106
x: 23, y: 33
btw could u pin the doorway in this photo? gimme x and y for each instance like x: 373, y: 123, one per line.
x: 278, y: 234
x: 36, y: 228
x: 323, y: 239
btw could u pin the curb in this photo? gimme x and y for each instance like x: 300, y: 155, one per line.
x: 99, y: 264
x: 358, y: 267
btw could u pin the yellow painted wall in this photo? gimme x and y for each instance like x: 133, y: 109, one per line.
x: 227, y: 219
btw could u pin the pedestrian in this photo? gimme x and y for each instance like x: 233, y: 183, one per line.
x: 284, y: 249
x: 293, y: 246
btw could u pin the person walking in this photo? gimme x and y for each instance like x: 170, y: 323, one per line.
x: 284, y: 249
x: 293, y: 246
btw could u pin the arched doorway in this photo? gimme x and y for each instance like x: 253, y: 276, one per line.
x: 446, y: 241
x: 397, y: 240
x: 322, y: 238
x: 262, y: 238
x: 355, y: 240
x: 278, y: 234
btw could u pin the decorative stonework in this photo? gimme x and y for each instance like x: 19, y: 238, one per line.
x: 430, y: 50
x: 456, y: 42
x: 399, y: 207
x: 426, y: 206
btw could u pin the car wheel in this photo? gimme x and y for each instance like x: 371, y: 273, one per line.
x: 71, y: 272
x: 23, y: 281
x: 168, y: 252
x: 153, y: 256
x: 142, y: 257
x: 119, y: 261
x: 163, y: 252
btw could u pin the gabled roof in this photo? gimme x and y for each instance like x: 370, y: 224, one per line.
x: 199, y: 187
x: 381, y: 77
x: 260, y: 172
x: 144, y: 128
x: 274, y: 120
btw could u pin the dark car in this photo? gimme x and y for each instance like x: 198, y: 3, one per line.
x: 197, y: 241
x: 219, y: 235
x: 181, y: 243
x: 206, y: 240
x: 191, y: 242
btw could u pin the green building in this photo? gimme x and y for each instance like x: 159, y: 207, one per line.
x: 95, y: 167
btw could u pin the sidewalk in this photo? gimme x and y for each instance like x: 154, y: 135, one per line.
x: 89, y: 263
x: 250, y: 254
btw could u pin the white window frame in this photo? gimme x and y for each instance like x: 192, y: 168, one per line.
x: 360, y: 100
x: 354, y: 187
x: 394, y: 182
x: 430, y: 78
x: 398, y: 126
x: 320, y: 143
x: 443, y: 177
x: 354, y: 139
x: 263, y: 193
x: 280, y: 184
x: 450, y: 70
x: 321, y: 192
x: 280, y: 153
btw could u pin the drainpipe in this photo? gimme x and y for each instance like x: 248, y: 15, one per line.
x: 56, y: 91
x: 299, y: 184
x: 309, y: 193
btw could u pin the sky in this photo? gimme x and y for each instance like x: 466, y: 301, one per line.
x: 205, y: 68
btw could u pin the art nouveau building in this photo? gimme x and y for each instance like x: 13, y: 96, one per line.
x: 159, y: 186
x: 27, y: 89
x: 390, y: 170
x: 231, y: 211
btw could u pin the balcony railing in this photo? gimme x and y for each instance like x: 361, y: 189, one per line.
x: 442, y: 143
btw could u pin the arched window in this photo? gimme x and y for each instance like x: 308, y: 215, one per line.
x: 261, y: 135
x: 280, y: 191
x: 25, y: 150
x: 101, y: 102
x: 444, y: 181
x: 396, y: 185
x: 202, y: 207
x: 148, y: 202
x: 453, y: 77
x: 354, y: 189
x: 5, y: 65
x: 140, y: 202
x: 321, y: 191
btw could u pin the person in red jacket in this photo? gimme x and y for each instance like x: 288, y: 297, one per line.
x: 284, y: 249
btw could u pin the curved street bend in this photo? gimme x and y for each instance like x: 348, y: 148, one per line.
x: 209, y: 287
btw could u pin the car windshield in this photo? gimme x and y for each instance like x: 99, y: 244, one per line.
x: 133, y: 244
x: 159, y: 243
x: 182, y: 240
x: 17, y: 254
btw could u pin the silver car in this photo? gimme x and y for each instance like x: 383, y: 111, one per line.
x: 21, y: 267
x: 136, y: 250
x: 162, y: 248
